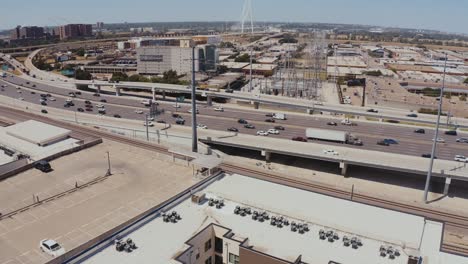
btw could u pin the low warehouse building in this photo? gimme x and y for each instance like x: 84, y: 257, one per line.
x: 38, y: 133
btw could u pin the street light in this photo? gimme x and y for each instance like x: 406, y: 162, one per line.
x: 109, y: 172
x: 434, y: 144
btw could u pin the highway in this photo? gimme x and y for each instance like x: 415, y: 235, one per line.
x: 410, y: 143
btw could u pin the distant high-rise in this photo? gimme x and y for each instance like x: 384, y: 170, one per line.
x: 27, y: 33
x: 72, y: 31
x: 99, y: 25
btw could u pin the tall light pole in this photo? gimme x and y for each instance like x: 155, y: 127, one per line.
x: 434, y: 144
x: 109, y: 172
x: 194, y: 106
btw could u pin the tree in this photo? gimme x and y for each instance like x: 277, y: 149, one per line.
x: 466, y: 80
x: 244, y: 58
x: 83, y: 75
x: 462, y: 98
x: 80, y: 52
x: 138, y: 78
x: 119, y: 76
x: 226, y: 45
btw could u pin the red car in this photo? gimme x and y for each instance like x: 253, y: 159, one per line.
x: 299, y: 139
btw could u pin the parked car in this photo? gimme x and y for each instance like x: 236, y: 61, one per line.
x: 52, y: 99
x: 87, y: 102
x: 299, y: 139
x: 43, y: 166
x: 420, y: 131
x: 161, y: 122
x: 233, y: 129
x: 176, y: 116
x: 249, y: 126
x: 96, y: 94
x: 150, y: 124
x: 269, y: 115
x: 51, y: 247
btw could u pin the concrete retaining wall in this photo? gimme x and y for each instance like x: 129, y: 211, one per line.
x: 11, y: 168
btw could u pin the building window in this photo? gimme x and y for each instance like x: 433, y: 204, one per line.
x: 218, y: 245
x: 234, y: 259
x: 208, y: 245
x: 208, y: 260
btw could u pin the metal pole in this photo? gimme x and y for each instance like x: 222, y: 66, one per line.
x: 434, y: 144
x: 109, y: 172
x: 250, y: 82
x: 147, y: 129
x: 194, y: 106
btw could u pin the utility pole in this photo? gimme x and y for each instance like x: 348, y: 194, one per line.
x: 194, y: 106
x: 434, y: 143
x: 147, y: 129
x: 109, y: 172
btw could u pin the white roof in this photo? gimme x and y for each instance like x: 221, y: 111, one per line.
x: 374, y: 226
x: 37, y: 132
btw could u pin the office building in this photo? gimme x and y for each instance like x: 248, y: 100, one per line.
x: 72, y: 31
x: 155, y: 60
x: 99, y: 25
x: 30, y: 33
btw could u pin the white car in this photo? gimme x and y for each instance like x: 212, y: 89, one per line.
x: 51, y: 247
x: 190, y: 111
x: 139, y: 112
x: 219, y: 109
x: 273, y: 131
x: 21, y: 99
x: 439, y: 140
x: 461, y: 158
x: 150, y: 118
x: 52, y: 99
x: 330, y: 152
x: 176, y: 106
x: 150, y: 124
x: 69, y: 100
x: 99, y: 105
x: 262, y: 133
x: 202, y: 126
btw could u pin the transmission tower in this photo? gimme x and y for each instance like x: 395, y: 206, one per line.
x: 247, y: 15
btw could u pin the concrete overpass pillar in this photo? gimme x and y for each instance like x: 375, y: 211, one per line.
x: 153, y: 90
x: 267, y: 155
x: 344, y: 168
x: 164, y: 95
x: 256, y: 105
x: 117, y: 91
x: 448, y: 181
x: 98, y: 88
x: 209, y: 100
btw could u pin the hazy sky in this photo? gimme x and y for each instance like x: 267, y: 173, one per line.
x: 446, y: 15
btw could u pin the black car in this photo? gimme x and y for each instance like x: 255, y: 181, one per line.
x: 269, y: 115
x: 428, y: 156
x: 33, y: 85
x: 117, y: 116
x: 233, y: 129
x: 301, y: 139
x: 78, y: 93
x: 48, y: 95
x: 372, y: 111
x: 66, y: 105
x: 229, y: 90
x: 420, y: 131
x: 43, y: 95
x: 176, y: 116
x: 242, y: 121
x: 33, y: 92
x: 332, y: 124
x: 96, y: 94
x: 451, y: 132
x: 43, y: 103
x: 383, y: 143
x: 249, y: 126
x: 279, y: 127
x: 80, y: 109
x: 103, y: 101
x: 71, y: 104
x: 161, y: 122
x: 44, y: 111
x: 87, y: 102
x: 412, y: 115
x: 270, y: 120
x: 43, y: 166
x: 180, y: 121
x: 89, y: 109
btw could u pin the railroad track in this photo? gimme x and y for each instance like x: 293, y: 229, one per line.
x: 450, y: 219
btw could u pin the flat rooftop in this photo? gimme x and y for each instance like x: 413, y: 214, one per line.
x: 37, y: 132
x: 158, y: 240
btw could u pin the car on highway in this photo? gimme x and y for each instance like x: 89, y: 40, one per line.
x: 190, y: 111
x: 439, y: 140
x: 249, y: 126
x: 137, y: 111
x: 346, y: 122
x: 66, y: 105
x: 69, y: 100
x: 233, y: 129
x: 412, y: 115
x: 103, y: 101
x: 393, y: 121
x: 180, y: 121
x: 43, y: 103
x: 51, y: 247
x: 242, y: 121
x: 116, y: 115
x: 390, y: 141
x: 273, y: 131
x: 43, y: 95
x: 270, y: 120
x: 52, y: 99
x: 330, y: 152
x: 451, y: 132
x: 96, y: 94
x: 229, y: 91
x: 34, y: 86
x: 428, y: 156
x: 262, y: 133
x: 44, y: 111
x: 150, y: 118
x: 201, y: 126
x: 87, y: 102
x: 43, y: 100
x: 78, y: 93
x: 72, y: 94
x: 280, y: 128
x: 219, y: 109
x: 301, y: 139
x: 176, y: 106
x: 461, y: 158
x: 462, y: 140
x: 269, y: 115
x: 372, y: 110
x: 332, y: 124
x: 80, y: 109
x: 150, y: 124
x: 420, y: 131
x: 383, y: 143
x: 161, y: 122
x: 21, y: 98
x: 33, y: 92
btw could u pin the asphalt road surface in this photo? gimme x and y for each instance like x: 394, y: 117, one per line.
x: 409, y: 143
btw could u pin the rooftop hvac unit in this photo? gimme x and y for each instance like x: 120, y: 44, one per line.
x: 198, y: 198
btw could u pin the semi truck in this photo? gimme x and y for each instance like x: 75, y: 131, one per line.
x: 333, y: 136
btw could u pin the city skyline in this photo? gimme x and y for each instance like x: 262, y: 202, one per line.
x: 416, y: 14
